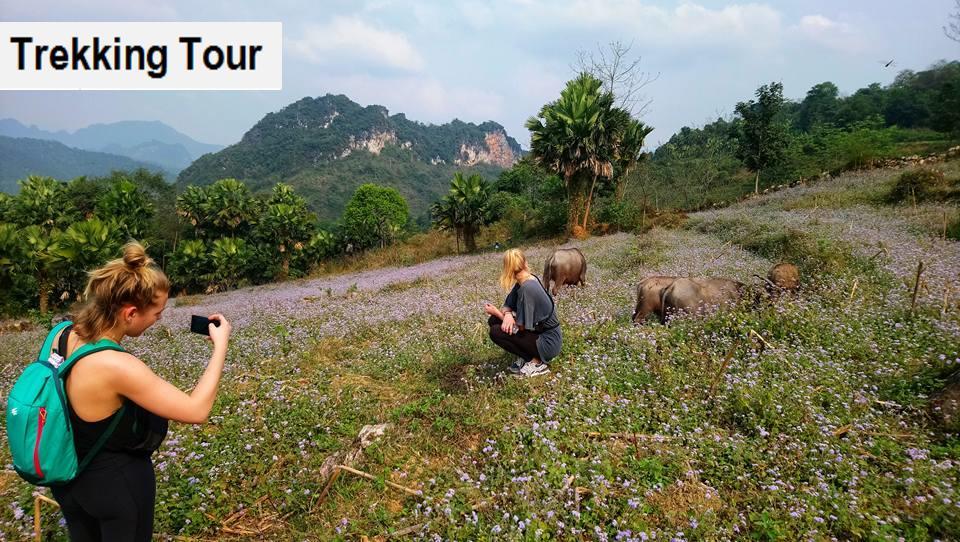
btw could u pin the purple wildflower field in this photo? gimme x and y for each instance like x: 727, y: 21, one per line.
x: 802, y: 417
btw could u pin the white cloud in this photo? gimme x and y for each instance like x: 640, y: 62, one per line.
x: 749, y: 25
x: 349, y: 38
x: 831, y: 34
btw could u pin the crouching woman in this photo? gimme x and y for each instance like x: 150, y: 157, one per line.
x: 527, y: 325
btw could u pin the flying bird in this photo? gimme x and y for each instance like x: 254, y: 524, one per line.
x: 886, y: 63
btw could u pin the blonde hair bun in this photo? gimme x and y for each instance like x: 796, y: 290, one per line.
x: 135, y: 256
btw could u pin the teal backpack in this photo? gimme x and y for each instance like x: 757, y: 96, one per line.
x: 38, y: 419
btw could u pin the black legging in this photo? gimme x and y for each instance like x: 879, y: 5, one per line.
x: 523, y: 343
x: 112, y: 499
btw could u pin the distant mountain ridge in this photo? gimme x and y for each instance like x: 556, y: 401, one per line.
x: 327, y: 146
x: 20, y: 157
x: 150, y: 141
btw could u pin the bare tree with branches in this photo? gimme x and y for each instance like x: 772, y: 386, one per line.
x: 952, y: 30
x: 620, y: 73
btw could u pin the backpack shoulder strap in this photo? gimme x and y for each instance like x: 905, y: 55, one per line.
x: 87, y: 349
x: 64, y: 340
x: 83, y: 351
x: 48, y: 342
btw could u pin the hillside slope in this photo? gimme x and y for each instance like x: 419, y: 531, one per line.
x: 803, y: 417
x: 328, y: 146
x: 20, y: 157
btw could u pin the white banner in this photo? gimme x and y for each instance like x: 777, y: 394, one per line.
x: 141, y: 56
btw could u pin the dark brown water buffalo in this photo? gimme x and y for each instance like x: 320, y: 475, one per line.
x: 648, y: 297
x: 564, y: 266
x: 697, y: 294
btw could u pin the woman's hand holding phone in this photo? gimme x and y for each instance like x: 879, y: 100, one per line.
x: 220, y: 331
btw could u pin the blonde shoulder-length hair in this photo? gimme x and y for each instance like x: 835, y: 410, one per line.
x: 513, y: 263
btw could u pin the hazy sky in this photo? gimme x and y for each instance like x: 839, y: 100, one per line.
x: 502, y: 60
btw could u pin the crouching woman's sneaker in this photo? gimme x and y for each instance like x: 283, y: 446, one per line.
x: 531, y: 369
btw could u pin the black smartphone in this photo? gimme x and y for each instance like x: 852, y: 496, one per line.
x: 201, y: 324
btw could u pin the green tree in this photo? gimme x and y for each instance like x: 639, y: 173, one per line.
x: 578, y: 137
x: 192, y: 207
x: 40, y: 202
x: 189, y: 266
x: 285, y: 225
x: 229, y: 260
x: 126, y: 205
x: 820, y: 106
x: 466, y: 207
x: 373, y: 215
x: 230, y: 207
x: 40, y: 262
x: 763, y: 134
x: 82, y: 247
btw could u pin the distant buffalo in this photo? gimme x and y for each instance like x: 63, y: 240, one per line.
x: 697, y: 294
x: 783, y: 276
x: 565, y: 266
x: 648, y: 297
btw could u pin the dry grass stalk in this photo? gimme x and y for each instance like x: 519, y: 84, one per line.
x: 723, y: 366
x: 629, y: 437
x: 362, y: 474
x: 37, y: 499
x: 916, y: 287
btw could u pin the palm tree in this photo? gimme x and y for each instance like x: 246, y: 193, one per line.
x: 471, y: 196
x: 12, y: 254
x: 230, y: 207
x: 39, y: 245
x: 192, y: 206
x: 286, y: 224
x: 39, y: 203
x: 465, y: 208
x: 189, y: 266
x: 84, y: 246
x: 128, y: 205
x: 577, y: 137
x: 445, y: 216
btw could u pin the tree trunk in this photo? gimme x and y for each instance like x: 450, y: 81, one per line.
x: 576, y: 206
x: 622, y: 185
x: 586, y: 214
x: 469, y: 238
x: 756, y: 183
x: 44, y: 296
x: 285, y: 266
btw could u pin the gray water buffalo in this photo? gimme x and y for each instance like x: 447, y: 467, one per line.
x: 648, y: 297
x: 696, y: 294
x: 565, y: 266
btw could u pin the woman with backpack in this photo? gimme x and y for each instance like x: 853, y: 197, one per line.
x: 113, y: 497
x: 527, y: 325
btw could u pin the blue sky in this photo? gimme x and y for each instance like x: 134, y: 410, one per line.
x: 502, y: 60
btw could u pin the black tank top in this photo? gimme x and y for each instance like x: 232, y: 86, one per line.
x: 139, y: 431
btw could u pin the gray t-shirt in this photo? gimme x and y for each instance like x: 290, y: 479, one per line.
x: 535, y: 312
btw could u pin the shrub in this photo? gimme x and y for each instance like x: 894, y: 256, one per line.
x: 920, y: 185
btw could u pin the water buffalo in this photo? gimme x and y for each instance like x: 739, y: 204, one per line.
x: 694, y: 294
x: 783, y: 276
x: 648, y: 297
x: 565, y: 266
